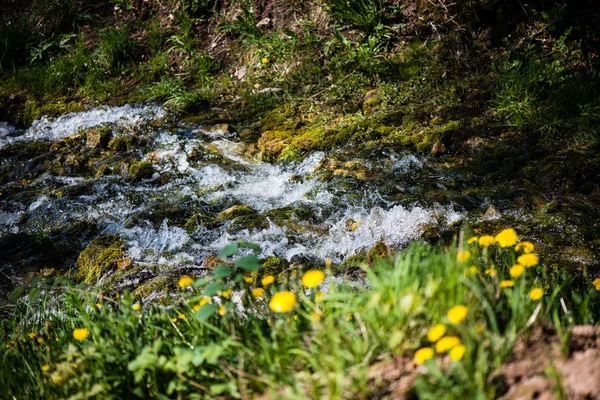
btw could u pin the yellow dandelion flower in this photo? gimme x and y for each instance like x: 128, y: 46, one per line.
x: 99, y: 306
x: 80, y: 334
x: 226, y: 293
x: 516, y: 270
x: 222, y: 310
x: 472, y: 240
x: 349, y: 317
x: 423, y: 354
x: 525, y: 247
x: 174, y: 319
x: 506, y: 284
x: 491, y: 272
x: 205, y: 300
x: 463, y: 256
x: 536, y: 294
x: 457, y: 352
x: 264, y: 60
x: 486, y: 241
x: 258, y: 292
x: 507, y: 237
x: 40, y: 340
x: 45, y: 368
x: 185, y: 281
x: 283, y: 302
x: 471, y: 271
x: 315, y: 316
x: 180, y: 316
x: 248, y: 279
x: 136, y: 307
x: 313, y: 278
x: 436, y: 332
x: 446, y: 343
x: 319, y: 295
x: 596, y: 283
x: 528, y: 260
x: 457, y: 313
x: 32, y: 335
x: 267, y: 280
x: 196, y: 307
x: 479, y: 327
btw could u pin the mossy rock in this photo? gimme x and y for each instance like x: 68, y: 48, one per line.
x: 234, y: 212
x: 34, y: 110
x: 98, y: 136
x: 123, y: 143
x: 157, y: 284
x: 377, y: 252
x: 197, y: 220
x: 99, y: 257
x: 249, y: 222
x: 141, y: 170
x: 275, y: 266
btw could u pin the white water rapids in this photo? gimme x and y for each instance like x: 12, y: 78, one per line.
x: 117, y: 205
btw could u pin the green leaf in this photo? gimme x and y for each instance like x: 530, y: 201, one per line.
x: 248, y: 263
x: 229, y: 250
x: 17, y: 292
x: 213, y: 288
x: 248, y: 245
x: 206, y: 311
x: 34, y: 294
x: 201, y: 282
x: 222, y: 271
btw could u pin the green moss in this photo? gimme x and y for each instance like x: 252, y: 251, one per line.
x: 197, y: 220
x: 33, y: 110
x: 275, y: 266
x: 98, y: 257
x: 233, y: 212
x: 160, y: 283
x: 249, y: 222
x: 141, y: 170
x: 123, y: 143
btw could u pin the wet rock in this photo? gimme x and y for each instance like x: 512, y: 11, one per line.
x: 141, y: 170
x: 377, y: 252
x: 438, y: 149
x: 97, y: 137
x: 235, y: 211
x: 99, y: 256
x: 249, y: 222
x: 123, y: 143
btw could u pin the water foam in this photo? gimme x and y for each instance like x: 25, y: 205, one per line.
x: 69, y: 124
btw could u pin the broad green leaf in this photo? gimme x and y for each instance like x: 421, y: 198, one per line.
x: 229, y: 250
x: 206, y: 311
x: 17, y: 292
x: 213, y: 288
x: 248, y: 245
x: 222, y: 271
x: 248, y: 263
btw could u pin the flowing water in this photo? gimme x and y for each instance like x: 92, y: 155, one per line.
x: 297, y: 211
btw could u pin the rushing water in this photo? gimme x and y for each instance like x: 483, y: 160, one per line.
x: 327, y: 219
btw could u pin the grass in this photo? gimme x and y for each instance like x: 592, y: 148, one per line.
x: 197, y: 343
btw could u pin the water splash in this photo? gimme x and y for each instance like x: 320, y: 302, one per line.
x: 69, y: 124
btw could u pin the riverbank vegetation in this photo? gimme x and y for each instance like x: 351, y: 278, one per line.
x: 429, y: 322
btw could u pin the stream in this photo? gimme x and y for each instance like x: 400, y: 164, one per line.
x: 205, y: 190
